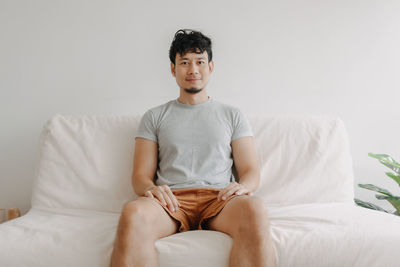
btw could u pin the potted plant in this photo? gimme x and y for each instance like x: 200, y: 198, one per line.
x: 389, y: 162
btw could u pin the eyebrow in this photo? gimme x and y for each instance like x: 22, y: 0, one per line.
x: 186, y: 58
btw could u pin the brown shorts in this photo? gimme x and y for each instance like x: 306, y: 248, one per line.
x: 198, y: 205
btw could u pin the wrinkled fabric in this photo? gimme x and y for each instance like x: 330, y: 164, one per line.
x: 84, y: 178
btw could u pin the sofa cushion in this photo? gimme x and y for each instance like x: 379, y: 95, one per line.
x: 303, y: 159
x: 86, y: 161
x: 324, y: 235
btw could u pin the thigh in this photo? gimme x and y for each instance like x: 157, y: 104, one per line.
x: 149, y: 214
x: 240, y: 209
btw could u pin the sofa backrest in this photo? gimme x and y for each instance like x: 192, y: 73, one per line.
x: 86, y: 161
x: 303, y: 159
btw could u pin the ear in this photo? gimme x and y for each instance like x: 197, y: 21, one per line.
x: 211, y: 66
x: 173, y: 69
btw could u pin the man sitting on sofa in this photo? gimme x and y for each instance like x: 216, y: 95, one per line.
x: 182, y: 173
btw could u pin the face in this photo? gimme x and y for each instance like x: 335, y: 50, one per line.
x: 192, y: 71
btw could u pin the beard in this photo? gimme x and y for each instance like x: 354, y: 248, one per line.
x: 193, y: 90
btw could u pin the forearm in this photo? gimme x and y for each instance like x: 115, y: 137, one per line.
x: 250, y: 179
x: 141, y: 184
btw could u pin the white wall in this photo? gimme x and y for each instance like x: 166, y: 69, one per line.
x: 111, y: 57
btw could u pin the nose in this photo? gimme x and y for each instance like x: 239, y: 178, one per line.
x: 193, y: 69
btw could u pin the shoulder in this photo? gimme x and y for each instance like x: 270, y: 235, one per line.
x: 228, y: 110
x: 160, y: 108
x: 150, y: 121
x: 155, y: 113
x: 225, y: 107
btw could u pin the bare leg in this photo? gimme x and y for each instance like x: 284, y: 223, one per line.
x: 244, y: 218
x: 142, y: 222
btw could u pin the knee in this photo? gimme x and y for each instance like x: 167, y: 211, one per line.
x: 253, y: 216
x: 134, y: 213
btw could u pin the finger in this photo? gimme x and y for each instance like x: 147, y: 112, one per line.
x: 160, y: 197
x: 169, y: 201
x: 175, y: 202
x: 242, y: 191
x: 224, y: 190
x: 148, y: 194
x: 230, y: 192
x: 164, y: 191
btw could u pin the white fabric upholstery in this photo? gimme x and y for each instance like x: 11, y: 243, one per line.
x: 86, y: 163
x: 84, y: 178
x: 303, y: 160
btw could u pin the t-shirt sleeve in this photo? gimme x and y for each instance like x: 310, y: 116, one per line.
x: 241, y: 126
x: 147, y: 127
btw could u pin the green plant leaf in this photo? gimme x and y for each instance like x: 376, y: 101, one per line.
x: 376, y: 189
x: 387, y: 197
x: 369, y: 205
x: 388, y: 161
x: 394, y: 200
x: 394, y: 177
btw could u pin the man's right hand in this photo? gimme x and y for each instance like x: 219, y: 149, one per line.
x: 164, y: 195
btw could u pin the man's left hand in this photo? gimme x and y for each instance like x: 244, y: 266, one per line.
x: 233, y: 188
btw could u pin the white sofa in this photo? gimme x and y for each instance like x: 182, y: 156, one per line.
x: 83, y: 180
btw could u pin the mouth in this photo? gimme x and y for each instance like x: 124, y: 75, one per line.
x: 192, y: 80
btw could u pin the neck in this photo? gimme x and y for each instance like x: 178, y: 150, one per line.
x: 193, y: 99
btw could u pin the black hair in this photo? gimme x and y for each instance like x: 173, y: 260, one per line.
x: 187, y: 40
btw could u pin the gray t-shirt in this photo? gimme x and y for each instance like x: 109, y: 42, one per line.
x: 194, y: 142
